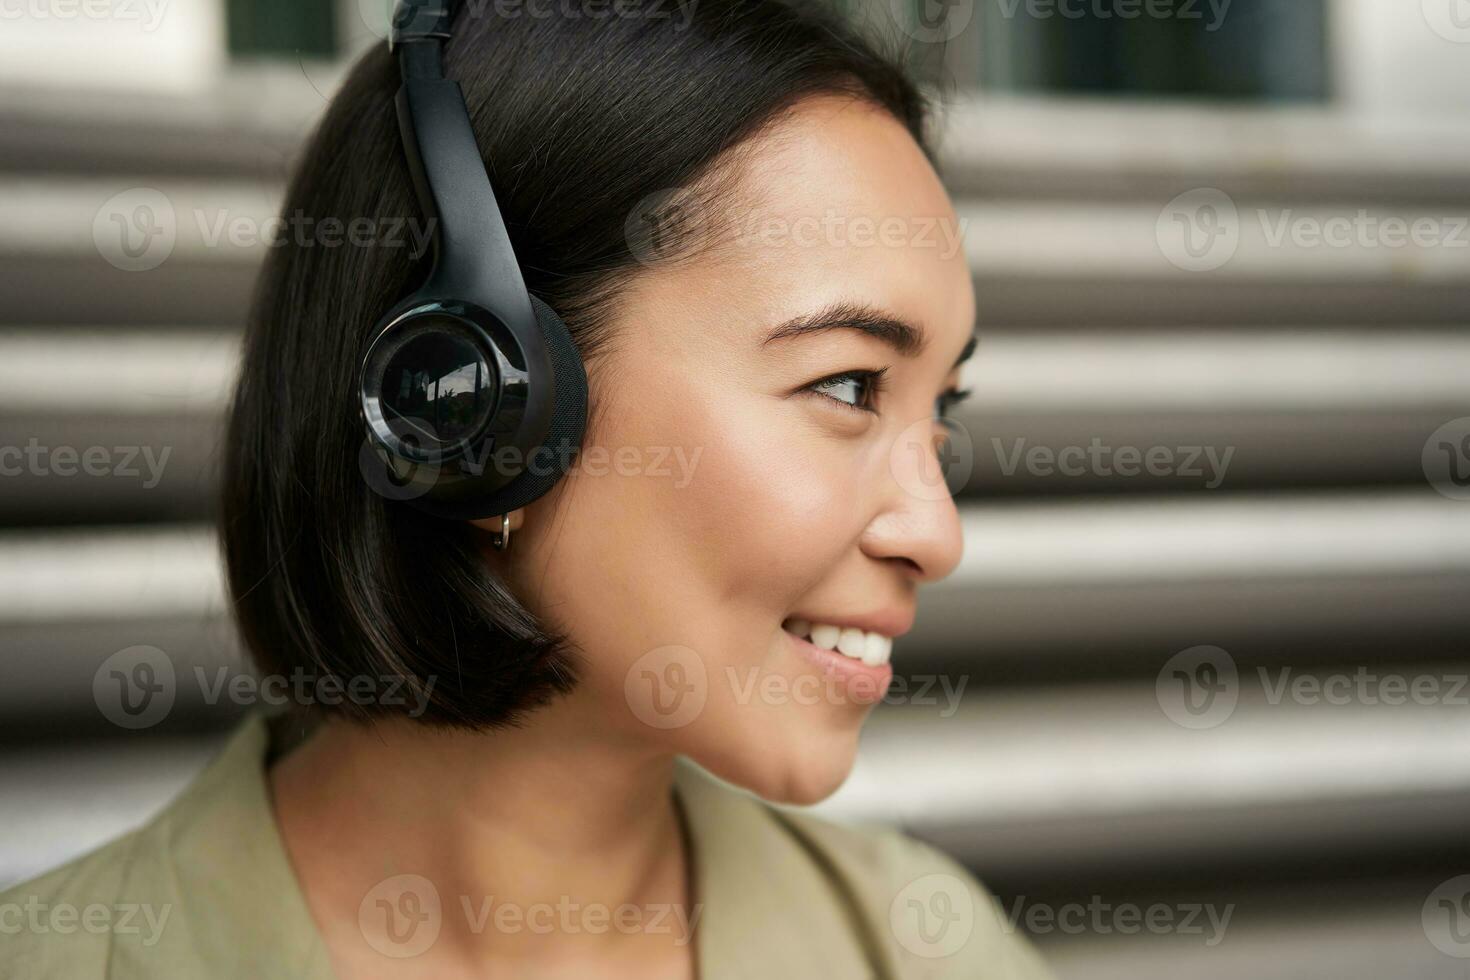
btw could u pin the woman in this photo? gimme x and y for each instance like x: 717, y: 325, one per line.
x: 559, y: 731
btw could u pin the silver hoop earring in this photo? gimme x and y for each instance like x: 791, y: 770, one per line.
x: 502, y: 539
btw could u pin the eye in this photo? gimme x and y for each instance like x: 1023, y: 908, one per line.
x: 949, y: 400
x: 857, y: 390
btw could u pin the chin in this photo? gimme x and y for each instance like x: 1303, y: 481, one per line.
x: 808, y: 787
x: 802, y: 772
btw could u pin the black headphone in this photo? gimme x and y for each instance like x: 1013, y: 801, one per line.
x: 472, y: 391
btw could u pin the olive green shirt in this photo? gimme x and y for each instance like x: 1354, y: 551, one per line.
x: 205, y: 891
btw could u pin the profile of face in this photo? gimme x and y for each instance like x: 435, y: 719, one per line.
x: 737, y: 486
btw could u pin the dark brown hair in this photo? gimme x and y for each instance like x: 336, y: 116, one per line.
x: 578, y: 120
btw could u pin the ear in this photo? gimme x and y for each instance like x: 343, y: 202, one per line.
x: 493, y: 524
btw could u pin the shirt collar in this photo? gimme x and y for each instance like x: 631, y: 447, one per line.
x: 768, y: 905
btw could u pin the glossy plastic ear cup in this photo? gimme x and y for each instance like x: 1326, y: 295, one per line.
x: 445, y: 456
x: 547, y: 463
x: 471, y: 419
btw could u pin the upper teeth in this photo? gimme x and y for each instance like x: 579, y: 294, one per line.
x: 871, y: 648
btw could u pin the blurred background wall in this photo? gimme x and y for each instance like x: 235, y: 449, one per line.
x: 1195, y: 702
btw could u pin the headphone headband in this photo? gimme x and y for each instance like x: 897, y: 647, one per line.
x: 470, y: 365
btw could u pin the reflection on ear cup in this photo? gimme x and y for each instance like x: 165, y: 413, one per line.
x: 438, y: 387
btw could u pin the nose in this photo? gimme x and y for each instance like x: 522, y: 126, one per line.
x: 918, y: 524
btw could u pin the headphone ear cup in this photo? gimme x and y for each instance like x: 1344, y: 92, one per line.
x: 568, y: 420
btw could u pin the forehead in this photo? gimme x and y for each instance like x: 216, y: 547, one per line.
x: 834, y: 205
x: 838, y: 203
x: 850, y: 151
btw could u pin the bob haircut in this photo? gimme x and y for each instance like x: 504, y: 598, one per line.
x: 579, y: 120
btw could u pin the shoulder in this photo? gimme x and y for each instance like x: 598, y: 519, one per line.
x: 201, y: 889
x: 918, y: 911
x: 936, y: 917
x: 58, y: 924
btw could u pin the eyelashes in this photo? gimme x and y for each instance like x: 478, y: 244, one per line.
x: 869, y: 385
x: 947, y: 401
x: 865, y: 388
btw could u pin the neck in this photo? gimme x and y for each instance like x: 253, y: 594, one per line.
x: 551, y: 825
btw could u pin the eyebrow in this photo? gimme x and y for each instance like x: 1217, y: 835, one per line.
x: 904, y: 337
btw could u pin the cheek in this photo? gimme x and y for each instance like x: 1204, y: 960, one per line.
x: 767, y: 515
x: 735, y: 508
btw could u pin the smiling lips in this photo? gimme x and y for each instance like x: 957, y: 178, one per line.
x: 871, y: 648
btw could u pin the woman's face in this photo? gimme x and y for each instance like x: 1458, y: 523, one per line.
x: 728, y: 487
